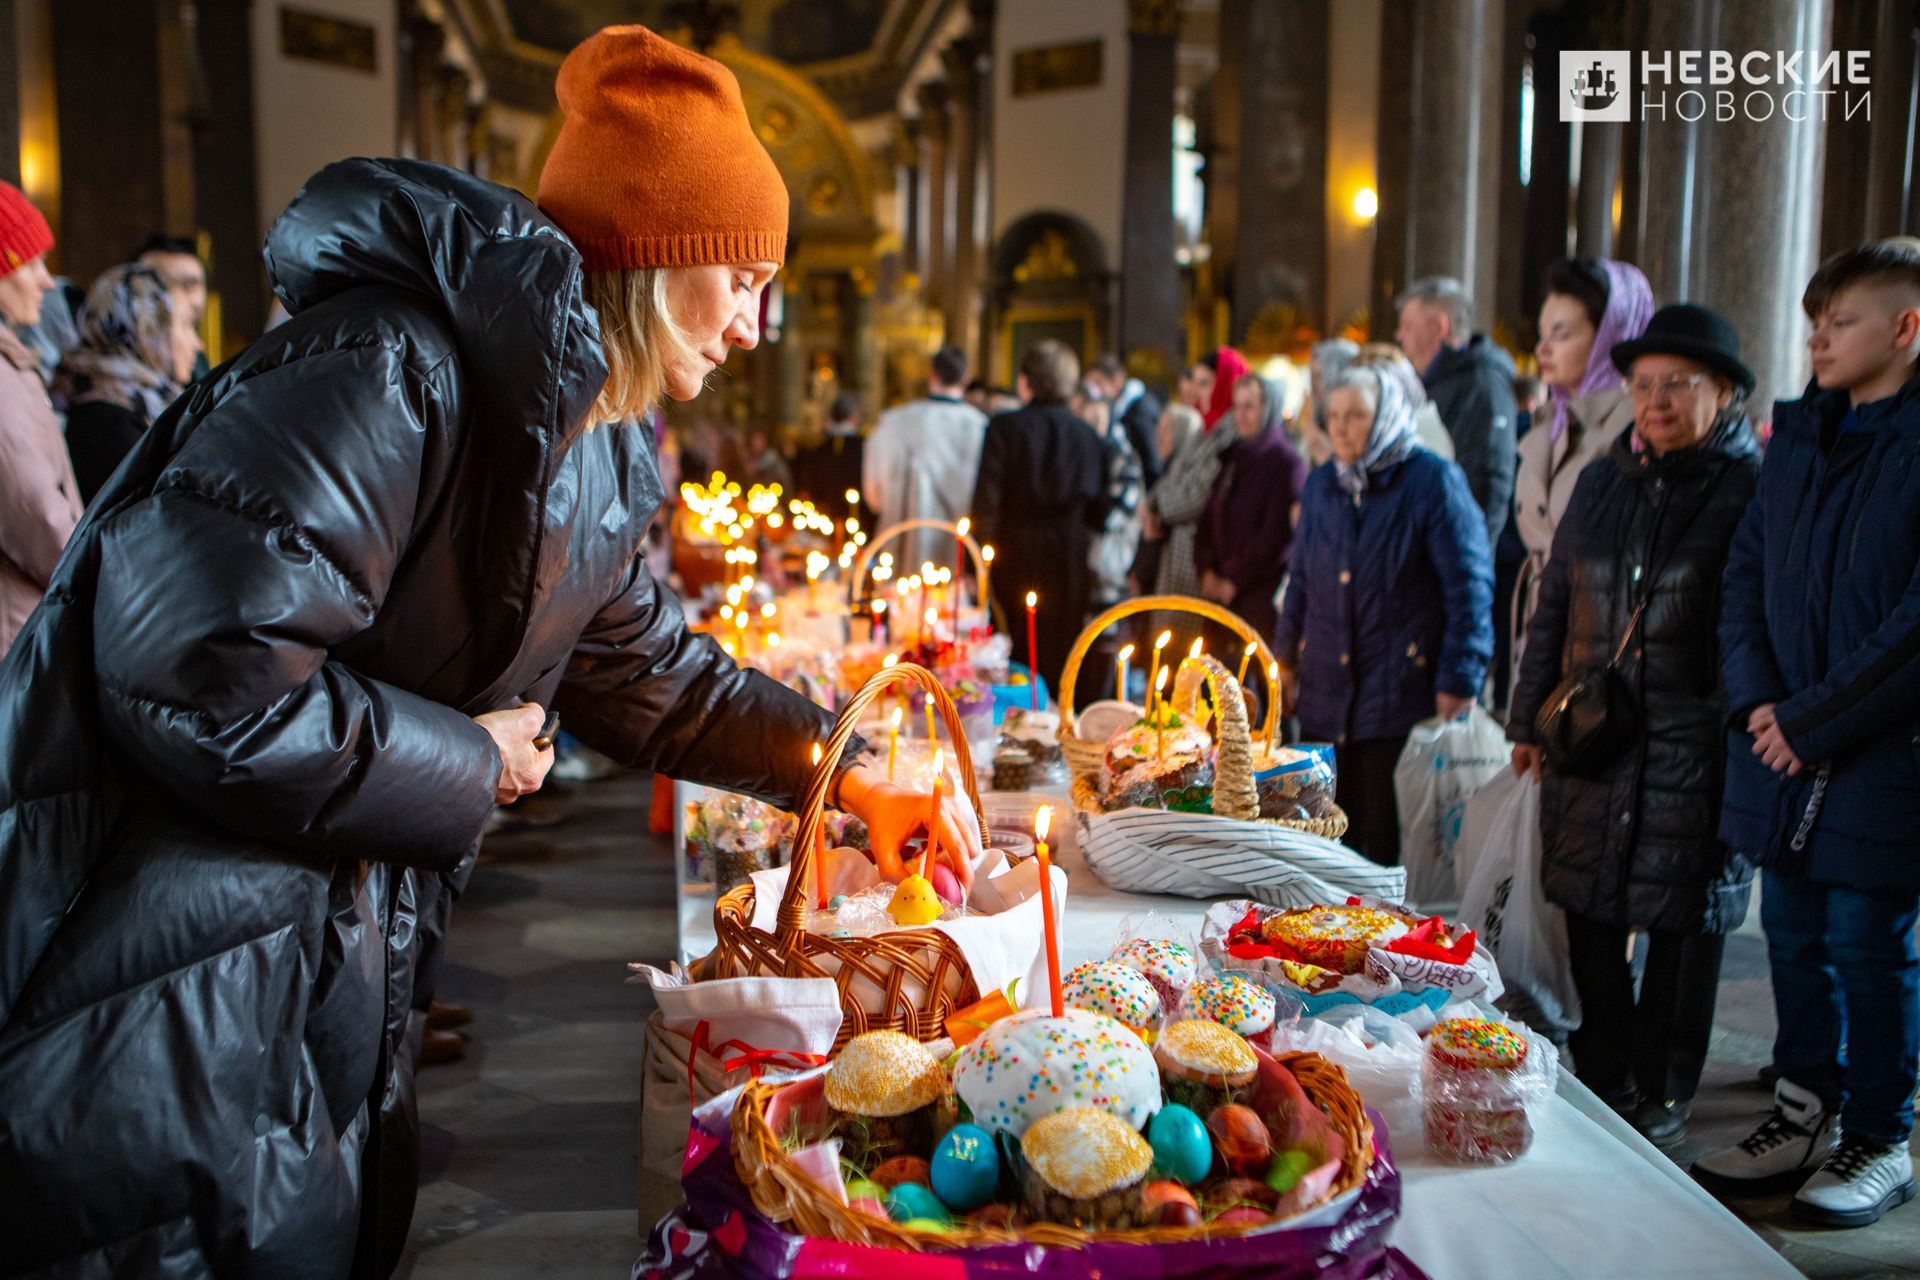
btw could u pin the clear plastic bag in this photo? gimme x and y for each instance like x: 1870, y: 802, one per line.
x: 1483, y: 1114
x: 1380, y: 1053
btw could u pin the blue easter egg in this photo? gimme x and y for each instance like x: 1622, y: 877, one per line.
x: 965, y: 1169
x: 836, y: 902
x: 1180, y: 1147
x: 910, y: 1200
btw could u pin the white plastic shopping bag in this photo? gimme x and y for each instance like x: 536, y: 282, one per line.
x: 1505, y: 905
x: 1443, y: 764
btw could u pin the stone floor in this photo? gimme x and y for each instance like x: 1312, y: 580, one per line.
x: 528, y: 1166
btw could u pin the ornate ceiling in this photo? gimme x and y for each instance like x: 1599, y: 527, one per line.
x: 857, y: 52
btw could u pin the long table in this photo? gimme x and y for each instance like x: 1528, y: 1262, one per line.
x: 1592, y: 1200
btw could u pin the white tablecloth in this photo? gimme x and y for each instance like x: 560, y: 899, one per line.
x: 1592, y: 1200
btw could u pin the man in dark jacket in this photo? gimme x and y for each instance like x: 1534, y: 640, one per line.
x: 1820, y: 642
x: 1040, y: 498
x: 252, y: 733
x: 1136, y: 408
x: 1469, y: 378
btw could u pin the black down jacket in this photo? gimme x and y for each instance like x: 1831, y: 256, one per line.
x: 1637, y: 848
x: 236, y: 754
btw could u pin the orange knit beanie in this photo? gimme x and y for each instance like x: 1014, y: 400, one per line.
x: 656, y: 163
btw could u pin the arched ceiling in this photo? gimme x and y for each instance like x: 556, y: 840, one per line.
x: 856, y: 52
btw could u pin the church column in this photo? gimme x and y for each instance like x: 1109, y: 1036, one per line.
x: 1448, y: 164
x: 1867, y: 193
x: 10, y: 55
x: 962, y: 59
x: 912, y: 213
x: 453, y: 88
x: 933, y: 245
x: 1744, y: 248
x: 1599, y: 174
x: 1149, y: 277
x: 427, y: 41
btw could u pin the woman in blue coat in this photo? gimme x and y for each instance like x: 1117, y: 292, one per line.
x: 1388, y: 617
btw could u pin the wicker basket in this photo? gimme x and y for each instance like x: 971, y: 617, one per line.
x: 906, y: 980
x: 1084, y: 756
x: 1235, y: 794
x: 787, y: 1194
x: 863, y: 563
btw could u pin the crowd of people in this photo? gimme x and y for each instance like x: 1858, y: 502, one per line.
x: 1702, y: 635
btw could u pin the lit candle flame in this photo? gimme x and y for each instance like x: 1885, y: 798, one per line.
x: 1165, y: 638
x: 1160, y: 681
x: 960, y: 530
x: 1042, y: 823
x: 899, y: 714
x: 853, y: 497
x: 1033, y: 598
x: 1194, y: 652
x: 1126, y: 652
x: 986, y: 553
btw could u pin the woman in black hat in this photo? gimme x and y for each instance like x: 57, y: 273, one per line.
x: 1618, y: 707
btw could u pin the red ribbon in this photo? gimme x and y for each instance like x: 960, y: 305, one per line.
x: 1425, y: 941
x: 748, y: 1056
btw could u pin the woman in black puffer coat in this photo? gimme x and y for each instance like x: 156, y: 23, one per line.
x: 1635, y: 845
x: 249, y: 738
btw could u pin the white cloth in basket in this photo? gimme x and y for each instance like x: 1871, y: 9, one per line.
x: 1199, y: 856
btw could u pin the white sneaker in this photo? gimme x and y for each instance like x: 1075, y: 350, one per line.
x: 1785, y: 1150
x: 1858, y: 1183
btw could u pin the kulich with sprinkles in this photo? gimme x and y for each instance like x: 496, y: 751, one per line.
x: 1033, y: 1064
x: 1334, y: 937
x: 1122, y: 993
x: 1234, y: 1003
x: 1477, y: 1044
x: 882, y: 1092
x: 1085, y: 1168
x: 1203, y: 1064
x: 1170, y: 966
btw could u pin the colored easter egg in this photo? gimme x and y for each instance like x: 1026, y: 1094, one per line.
x: 891, y: 1173
x: 965, y: 1168
x: 1181, y: 1150
x: 928, y: 1224
x: 836, y: 902
x: 946, y: 884
x: 1242, y: 1138
x: 910, y: 1201
x: 1241, y: 1216
x: 1168, y: 1204
x: 867, y: 1205
x: 1288, y: 1167
x: 865, y: 1189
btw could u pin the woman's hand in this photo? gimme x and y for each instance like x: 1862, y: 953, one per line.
x: 1448, y: 707
x: 893, y: 814
x: 1216, y: 588
x: 1526, y: 760
x: 523, y: 766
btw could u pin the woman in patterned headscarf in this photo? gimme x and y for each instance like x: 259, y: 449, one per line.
x: 1387, y: 617
x: 137, y: 347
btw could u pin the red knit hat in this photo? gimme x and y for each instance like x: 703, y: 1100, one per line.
x: 24, y: 233
x: 656, y: 163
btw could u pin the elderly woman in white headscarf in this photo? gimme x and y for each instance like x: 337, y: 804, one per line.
x: 1388, y: 616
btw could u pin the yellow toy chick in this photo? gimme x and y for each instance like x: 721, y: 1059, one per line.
x: 915, y: 903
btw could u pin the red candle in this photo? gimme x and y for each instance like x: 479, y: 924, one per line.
x: 1033, y: 655
x: 819, y: 850
x: 1041, y: 821
x: 959, y: 570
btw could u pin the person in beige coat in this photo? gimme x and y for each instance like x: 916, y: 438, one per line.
x: 39, y: 501
x: 1591, y: 304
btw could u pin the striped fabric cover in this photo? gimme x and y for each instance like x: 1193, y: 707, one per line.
x: 1151, y: 851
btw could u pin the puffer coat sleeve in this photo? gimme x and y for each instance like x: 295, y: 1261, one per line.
x: 270, y: 538
x: 643, y: 689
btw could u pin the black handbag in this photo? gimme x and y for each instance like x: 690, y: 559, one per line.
x: 1592, y: 717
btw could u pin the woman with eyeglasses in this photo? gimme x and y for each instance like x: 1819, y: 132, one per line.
x: 1629, y: 604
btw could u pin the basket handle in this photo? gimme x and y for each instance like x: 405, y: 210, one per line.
x: 1180, y: 604
x: 863, y: 563
x: 793, y: 903
x: 1234, y: 793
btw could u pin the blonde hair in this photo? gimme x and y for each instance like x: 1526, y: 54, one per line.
x: 641, y: 338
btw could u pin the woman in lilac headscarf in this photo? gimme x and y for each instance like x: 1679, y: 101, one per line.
x: 1591, y: 304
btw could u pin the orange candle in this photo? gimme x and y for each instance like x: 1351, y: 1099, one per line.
x: 1033, y: 655
x: 1041, y: 821
x: 931, y: 853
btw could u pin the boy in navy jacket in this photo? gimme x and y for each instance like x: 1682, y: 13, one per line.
x: 1820, y: 642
